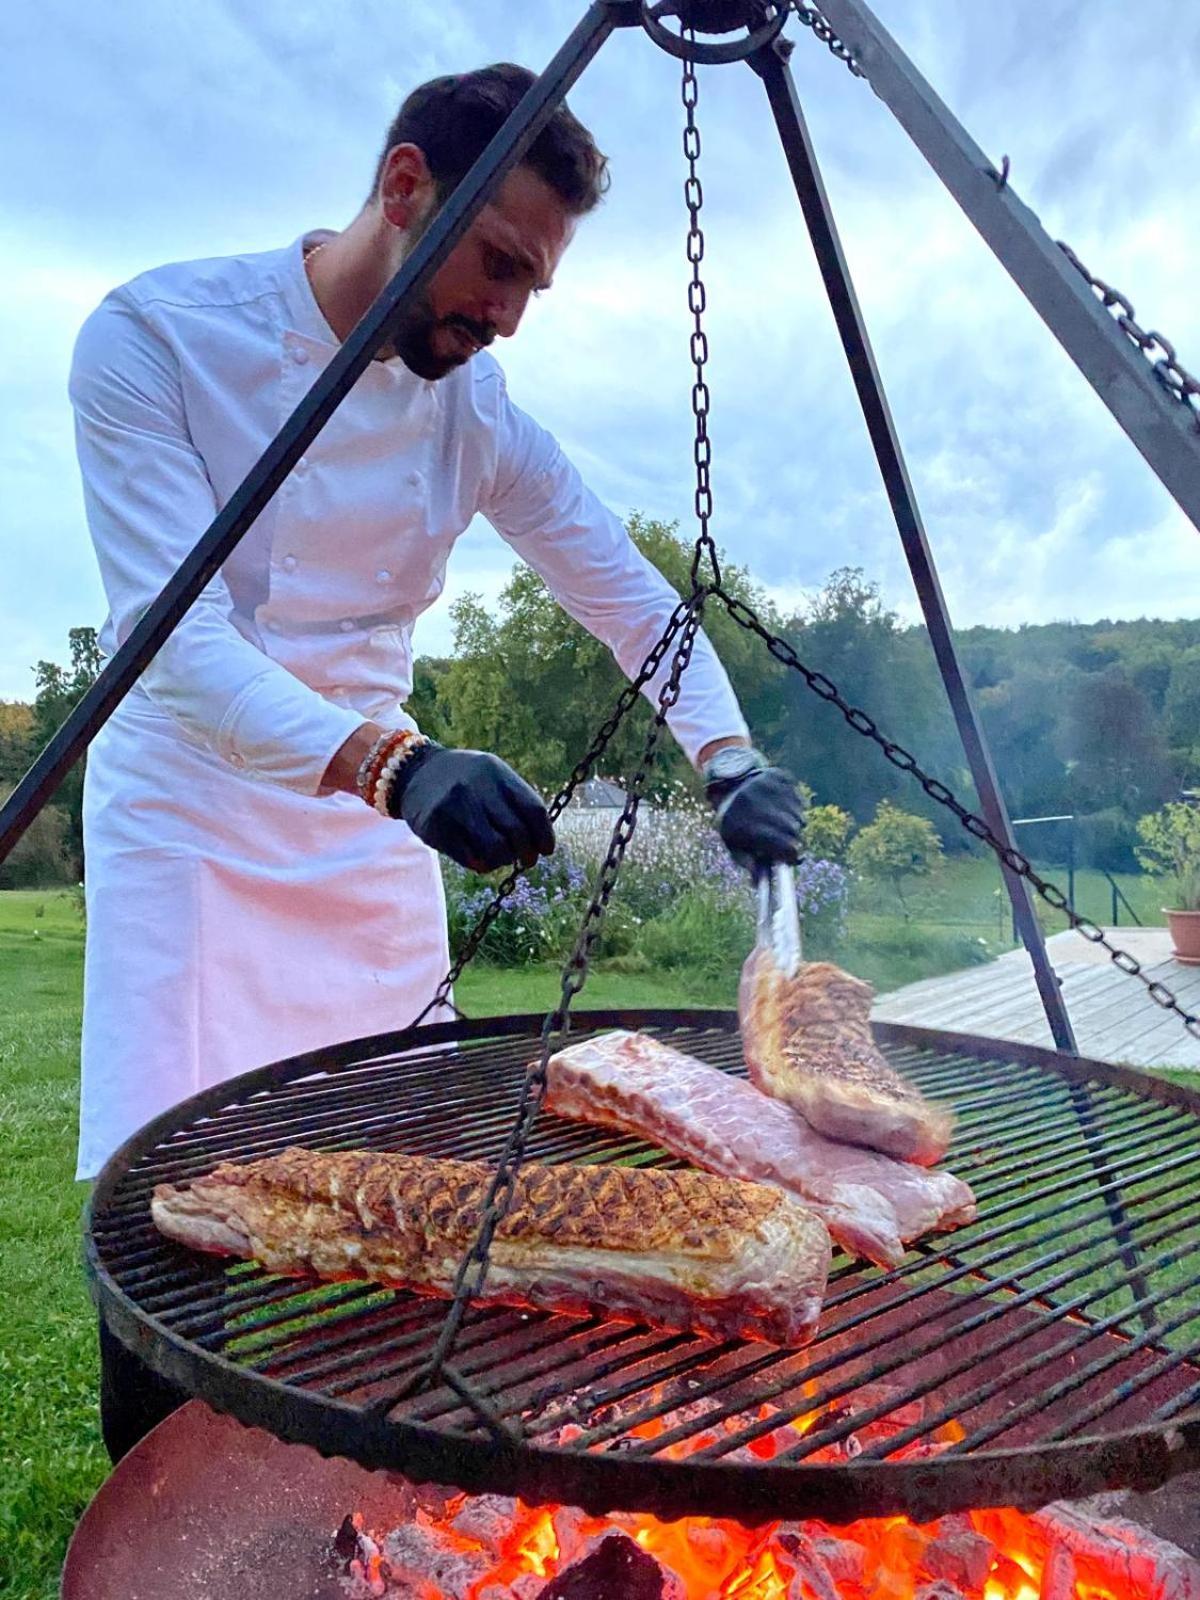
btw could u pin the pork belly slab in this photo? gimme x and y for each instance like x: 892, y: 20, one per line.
x: 807, y: 1041
x: 871, y: 1204
x: 679, y: 1249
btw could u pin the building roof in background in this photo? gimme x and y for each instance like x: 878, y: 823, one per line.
x: 599, y: 794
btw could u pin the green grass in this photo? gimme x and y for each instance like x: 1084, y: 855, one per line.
x: 968, y: 894
x: 51, y: 1457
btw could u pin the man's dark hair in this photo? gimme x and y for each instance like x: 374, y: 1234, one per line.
x: 452, y: 119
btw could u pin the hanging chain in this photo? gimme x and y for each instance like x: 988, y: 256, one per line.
x: 902, y: 759
x: 1158, y: 350
x: 702, y: 457
x: 472, y: 1271
x: 627, y: 700
x: 684, y: 623
x: 697, y: 297
x: 811, y: 17
x: 1156, y: 347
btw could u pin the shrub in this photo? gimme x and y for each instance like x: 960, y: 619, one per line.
x: 538, y: 918
x: 1108, y: 840
x: 42, y: 856
x: 826, y: 830
x: 894, y: 847
x: 679, y: 901
x: 1170, y: 848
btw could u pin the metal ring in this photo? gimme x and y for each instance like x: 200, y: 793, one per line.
x: 711, y: 54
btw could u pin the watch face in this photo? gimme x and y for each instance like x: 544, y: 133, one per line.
x: 733, y: 762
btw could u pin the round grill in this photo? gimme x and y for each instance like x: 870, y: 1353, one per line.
x: 1051, y: 1348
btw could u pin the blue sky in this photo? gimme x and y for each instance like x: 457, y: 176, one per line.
x: 136, y: 133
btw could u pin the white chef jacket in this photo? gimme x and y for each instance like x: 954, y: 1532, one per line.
x: 236, y: 914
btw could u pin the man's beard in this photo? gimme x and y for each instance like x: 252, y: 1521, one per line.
x: 413, y: 340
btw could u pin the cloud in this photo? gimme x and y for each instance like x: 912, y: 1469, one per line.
x: 135, y: 133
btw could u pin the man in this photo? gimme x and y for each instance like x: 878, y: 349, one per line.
x: 243, y: 902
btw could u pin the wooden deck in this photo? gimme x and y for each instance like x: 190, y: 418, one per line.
x: 1113, y: 1016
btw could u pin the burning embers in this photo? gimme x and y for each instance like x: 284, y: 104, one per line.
x: 488, y: 1547
x: 446, y: 1545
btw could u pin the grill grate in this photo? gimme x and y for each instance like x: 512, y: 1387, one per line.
x: 1050, y: 1348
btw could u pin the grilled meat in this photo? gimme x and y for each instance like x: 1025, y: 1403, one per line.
x: 681, y: 1249
x: 871, y: 1204
x: 807, y: 1041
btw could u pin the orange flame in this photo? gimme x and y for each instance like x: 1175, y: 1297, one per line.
x: 999, y: 1555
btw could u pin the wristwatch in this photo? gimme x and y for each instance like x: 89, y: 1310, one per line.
x: 725, y: 771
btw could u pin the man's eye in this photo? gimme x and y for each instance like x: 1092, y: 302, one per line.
x: 498, y: 265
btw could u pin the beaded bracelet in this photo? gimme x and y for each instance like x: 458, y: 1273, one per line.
x: 397, y: 756
x: 372, y: 765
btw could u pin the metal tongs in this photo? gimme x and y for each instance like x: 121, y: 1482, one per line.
x: 778, y: 917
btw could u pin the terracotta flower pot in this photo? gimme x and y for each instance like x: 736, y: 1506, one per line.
x: 1185, y: 936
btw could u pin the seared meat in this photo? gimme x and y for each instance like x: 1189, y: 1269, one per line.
x: 871, y: 1204
x: 807, y: 1041
x: 681, y: 1249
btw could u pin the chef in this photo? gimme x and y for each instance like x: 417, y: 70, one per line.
x: 261, y: 814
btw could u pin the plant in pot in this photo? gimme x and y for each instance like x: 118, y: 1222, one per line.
x: 1170, y: 849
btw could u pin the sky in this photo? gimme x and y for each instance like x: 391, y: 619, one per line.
x: 146, y: 131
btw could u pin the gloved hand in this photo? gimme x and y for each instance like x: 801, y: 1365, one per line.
x: 472, y: 807
x: 760, y: 815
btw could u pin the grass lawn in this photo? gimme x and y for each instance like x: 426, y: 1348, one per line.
x: 51, y: 1459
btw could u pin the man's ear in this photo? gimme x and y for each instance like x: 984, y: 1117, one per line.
x: 406, y: 188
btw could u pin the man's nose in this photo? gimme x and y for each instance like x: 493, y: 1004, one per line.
x: 505, y: 309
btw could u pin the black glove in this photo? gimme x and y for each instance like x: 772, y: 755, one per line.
x: 472, y: 807
x: 760, y: 815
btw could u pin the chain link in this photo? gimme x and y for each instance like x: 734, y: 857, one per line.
x: 811, y: 17
x: 684, y: 623
x: 697, y: 299
x: 587, y: 763
x: 1158, y: 350
x: 905, y: 761
x: 1175, y: 378
x: 472, y: 1271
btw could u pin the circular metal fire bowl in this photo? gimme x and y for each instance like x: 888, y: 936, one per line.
x: 1048, y: 1350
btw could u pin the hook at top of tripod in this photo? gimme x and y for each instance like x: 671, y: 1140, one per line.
x: 764, y: 20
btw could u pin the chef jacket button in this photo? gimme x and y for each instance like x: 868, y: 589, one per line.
x: 414, y: 480
x: 346, y: 625
x: 288, y: 563
x: 383, y: 576
x: 236, y: 760
x: 300, y: 355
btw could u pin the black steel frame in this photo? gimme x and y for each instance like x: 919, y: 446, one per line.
x: 769, y: 60
x: 1042, y: 1301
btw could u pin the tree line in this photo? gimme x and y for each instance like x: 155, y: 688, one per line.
x: 1100, y: 719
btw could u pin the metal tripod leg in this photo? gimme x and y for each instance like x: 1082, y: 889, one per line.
x: 310, y: 416
x: 771, y: 66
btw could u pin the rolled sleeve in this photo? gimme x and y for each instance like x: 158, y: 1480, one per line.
x: 540, y: 505
x: 148, y: 499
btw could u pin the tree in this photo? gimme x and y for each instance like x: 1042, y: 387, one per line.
x: 58, y: 691
x: 889, y: 672
x: 896, y: 846
x: 1181, y: 712
x: 1115, y: 750
x: 16, y: 739
x: 534, y: 686
x: 1023, y: 717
